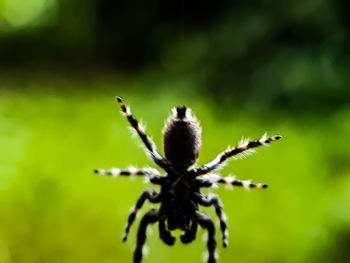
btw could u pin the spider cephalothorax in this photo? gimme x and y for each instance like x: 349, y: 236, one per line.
x: 180, y: 187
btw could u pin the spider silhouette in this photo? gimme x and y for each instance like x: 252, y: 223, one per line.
x: 180, y: 188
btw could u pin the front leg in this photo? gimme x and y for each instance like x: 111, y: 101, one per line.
x: 151, y: 147
x: 149, y: 194
x: 212, y: 199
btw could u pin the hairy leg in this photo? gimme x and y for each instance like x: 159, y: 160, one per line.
x: 151, y: 147
x: 245, y: 146
x: 212, y: 199
x: 148, y: 194
x: 150, y: 217
x: 205, y: 222
x: 213, y: 179
x: 153, y: 174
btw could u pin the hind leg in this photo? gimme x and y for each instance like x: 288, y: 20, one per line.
x: 213, y: 199
x: 150, y: 217
x: 149, y: 194
x: 205, y: 222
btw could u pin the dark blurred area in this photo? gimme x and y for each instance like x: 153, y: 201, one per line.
x: 290, y: 55
x: 128, y: 35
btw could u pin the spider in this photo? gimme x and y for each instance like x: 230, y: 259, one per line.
x: 180, y: 193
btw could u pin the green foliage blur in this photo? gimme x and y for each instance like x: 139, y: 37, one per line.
x: 244, y: 67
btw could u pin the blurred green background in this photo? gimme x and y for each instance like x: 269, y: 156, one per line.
x: 244, y: 67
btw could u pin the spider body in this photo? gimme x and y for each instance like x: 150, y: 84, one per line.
x: 182, y: 139
x: 176, y: 203
x: 180, y: 195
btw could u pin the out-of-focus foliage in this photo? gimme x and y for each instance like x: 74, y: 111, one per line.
x: 263, y: 54
x: 244, y: 67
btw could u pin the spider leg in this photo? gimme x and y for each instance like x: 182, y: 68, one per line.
x: 151, y: 147
x: 214, y: 164
x: 150, y: 217
x: 190, y: 235
x: 205, y: 222
x: 164, y: 234
x: 148, y: 194
x: 213, y: 199
x: 212, y: 179
x: 153, y: 174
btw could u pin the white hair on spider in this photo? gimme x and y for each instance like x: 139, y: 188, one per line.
x: 115, y: 172
x: 146, y: 250
x: 246, y: 184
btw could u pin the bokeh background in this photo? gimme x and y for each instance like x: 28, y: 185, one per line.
x: 244, y: 67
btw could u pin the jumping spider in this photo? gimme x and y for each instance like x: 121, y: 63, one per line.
x: 180, y: 188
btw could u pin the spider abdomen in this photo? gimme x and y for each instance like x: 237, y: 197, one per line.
x: 182, y: 139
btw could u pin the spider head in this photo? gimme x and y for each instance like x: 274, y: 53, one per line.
x: 182, y: 139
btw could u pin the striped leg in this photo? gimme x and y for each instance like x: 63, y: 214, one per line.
x: 246, y: 184
x: 214, y: 200
x: 212, y: 179
x: 242, y: 148
x: 157, y: 158
x: 153, y: 174
x: 205, y: 222
x: 164, y: 234
x: 148, y: 194
x: 151, y: 217
x: 190, y: 235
